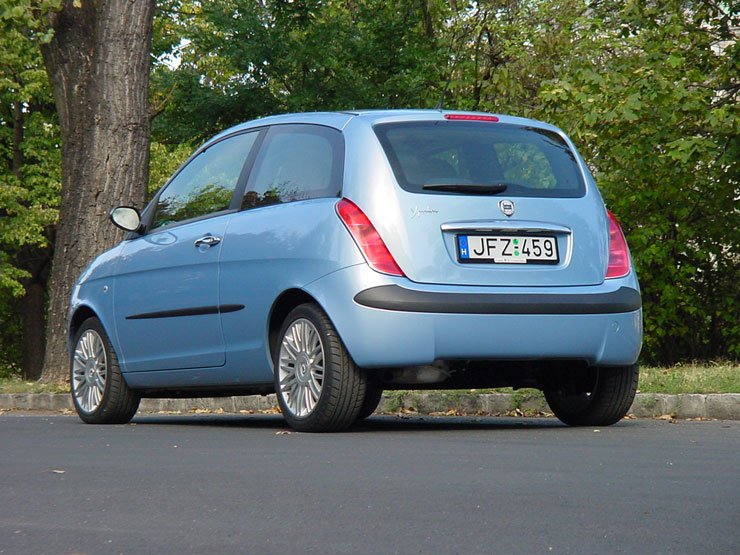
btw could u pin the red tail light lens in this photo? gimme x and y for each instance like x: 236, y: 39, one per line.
x: 619, y: 256
x: 367, y: 238
x: 471, y: 117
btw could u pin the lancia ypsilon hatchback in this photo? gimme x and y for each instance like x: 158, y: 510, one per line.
x: 327, y: 257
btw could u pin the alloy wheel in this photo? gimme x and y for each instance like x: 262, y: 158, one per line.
x: 301, y: 367
x: 89, y: 371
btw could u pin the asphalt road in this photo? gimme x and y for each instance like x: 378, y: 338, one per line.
x: 226, y: 484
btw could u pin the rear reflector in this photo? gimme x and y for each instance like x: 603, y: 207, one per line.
x: 470, y: 117
x: 367, y: 238
x: 619, y: 256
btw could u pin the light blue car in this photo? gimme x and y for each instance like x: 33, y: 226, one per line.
x: 327, y: 257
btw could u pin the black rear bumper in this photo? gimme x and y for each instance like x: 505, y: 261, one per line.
x: 395, y: 297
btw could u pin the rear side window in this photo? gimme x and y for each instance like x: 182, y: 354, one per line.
x: 531, y: 162
x: 206, y: 184
x: 296, y: 162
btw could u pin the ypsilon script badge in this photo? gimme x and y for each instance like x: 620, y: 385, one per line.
x: 507, y: 207
x: 416, y: 211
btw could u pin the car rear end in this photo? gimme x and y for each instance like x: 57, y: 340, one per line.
x: 488, y: 246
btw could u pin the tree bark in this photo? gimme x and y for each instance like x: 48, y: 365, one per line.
x: 32, y: 317
x: 427, y: 17
x: 18, y: 122
x: 32, y: 306
x: 98, y: 65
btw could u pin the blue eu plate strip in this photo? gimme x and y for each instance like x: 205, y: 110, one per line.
x: 462, y: 242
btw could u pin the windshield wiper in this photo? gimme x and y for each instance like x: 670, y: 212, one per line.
x: 475, y: 188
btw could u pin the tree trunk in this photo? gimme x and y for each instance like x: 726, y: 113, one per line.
x: 98, y: 65
x: 34, y: 260
x: 17, y: 163
x: 32, y: 317
x: 427, y: 17
x: 31, y: 307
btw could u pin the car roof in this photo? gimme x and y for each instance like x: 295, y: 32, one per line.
x: 339, y: 120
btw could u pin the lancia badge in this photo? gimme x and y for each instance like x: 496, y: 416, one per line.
x: 507, y: 207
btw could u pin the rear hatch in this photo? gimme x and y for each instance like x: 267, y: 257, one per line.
x: 488, y: 203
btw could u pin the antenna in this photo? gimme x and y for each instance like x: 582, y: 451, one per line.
x: 454, y: 60
x: 441, y: 103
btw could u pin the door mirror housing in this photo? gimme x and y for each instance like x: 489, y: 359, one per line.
x: 126, y: 217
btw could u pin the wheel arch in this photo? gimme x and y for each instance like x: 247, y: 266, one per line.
x: 81, y: 313
x: 284, y: 303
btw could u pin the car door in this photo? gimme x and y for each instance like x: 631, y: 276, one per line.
x: 277, y: 241
x: 166, y: 301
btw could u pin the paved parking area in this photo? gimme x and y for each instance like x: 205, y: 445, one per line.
x: 243, y: 484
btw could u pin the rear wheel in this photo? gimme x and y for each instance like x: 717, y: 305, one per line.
x: 317, y: 384
x: 595, y: 396
x: 372, y: 399
x: 99, y: 392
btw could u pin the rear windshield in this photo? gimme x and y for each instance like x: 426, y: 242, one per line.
x: 531, y: 162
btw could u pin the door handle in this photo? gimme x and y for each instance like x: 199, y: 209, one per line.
x: 208, y: 241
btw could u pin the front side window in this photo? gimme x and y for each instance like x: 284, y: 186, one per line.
x: 206, y: 184
x: 296, y: 162
x: 529, y: 161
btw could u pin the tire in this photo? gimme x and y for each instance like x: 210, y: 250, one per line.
x: 99, y: 392
x: 372, y: 399
x: 596, y: 397
x: 317, y: 385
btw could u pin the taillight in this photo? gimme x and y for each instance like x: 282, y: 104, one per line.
x: 471, y: 117
x: 619, y: 256
x: 367, y: 238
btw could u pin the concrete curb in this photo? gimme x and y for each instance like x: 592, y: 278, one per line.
x: 724, y: 406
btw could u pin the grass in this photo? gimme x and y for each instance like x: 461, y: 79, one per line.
x: 718, y: 377
x: 14, y: 384
x: 713, y: 377
x: 691, y: 378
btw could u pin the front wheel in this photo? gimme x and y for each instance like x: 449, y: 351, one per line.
x: 318, y: 386
x: 99, y: 392
x: 595, y: 396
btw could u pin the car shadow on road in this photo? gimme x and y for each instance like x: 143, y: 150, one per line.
x: 391, y: 423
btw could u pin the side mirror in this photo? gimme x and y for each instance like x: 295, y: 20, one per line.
x: 126, y: 217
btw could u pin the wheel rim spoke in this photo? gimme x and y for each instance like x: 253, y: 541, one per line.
x: 291, y: 351
x: 315, y: 391
x: 286, y: 384
x: 301, y: 367
x: 89, y: 371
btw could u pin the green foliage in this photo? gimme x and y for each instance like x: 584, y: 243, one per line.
x: 164, y: 161
x: 241, y: 59
x: 29, y: 164
x: 10, y: 349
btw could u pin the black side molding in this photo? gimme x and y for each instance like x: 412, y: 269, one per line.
x: 194, y: 311
x: 394, y: 297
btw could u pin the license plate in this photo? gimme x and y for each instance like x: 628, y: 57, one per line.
x: 507, y: 249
